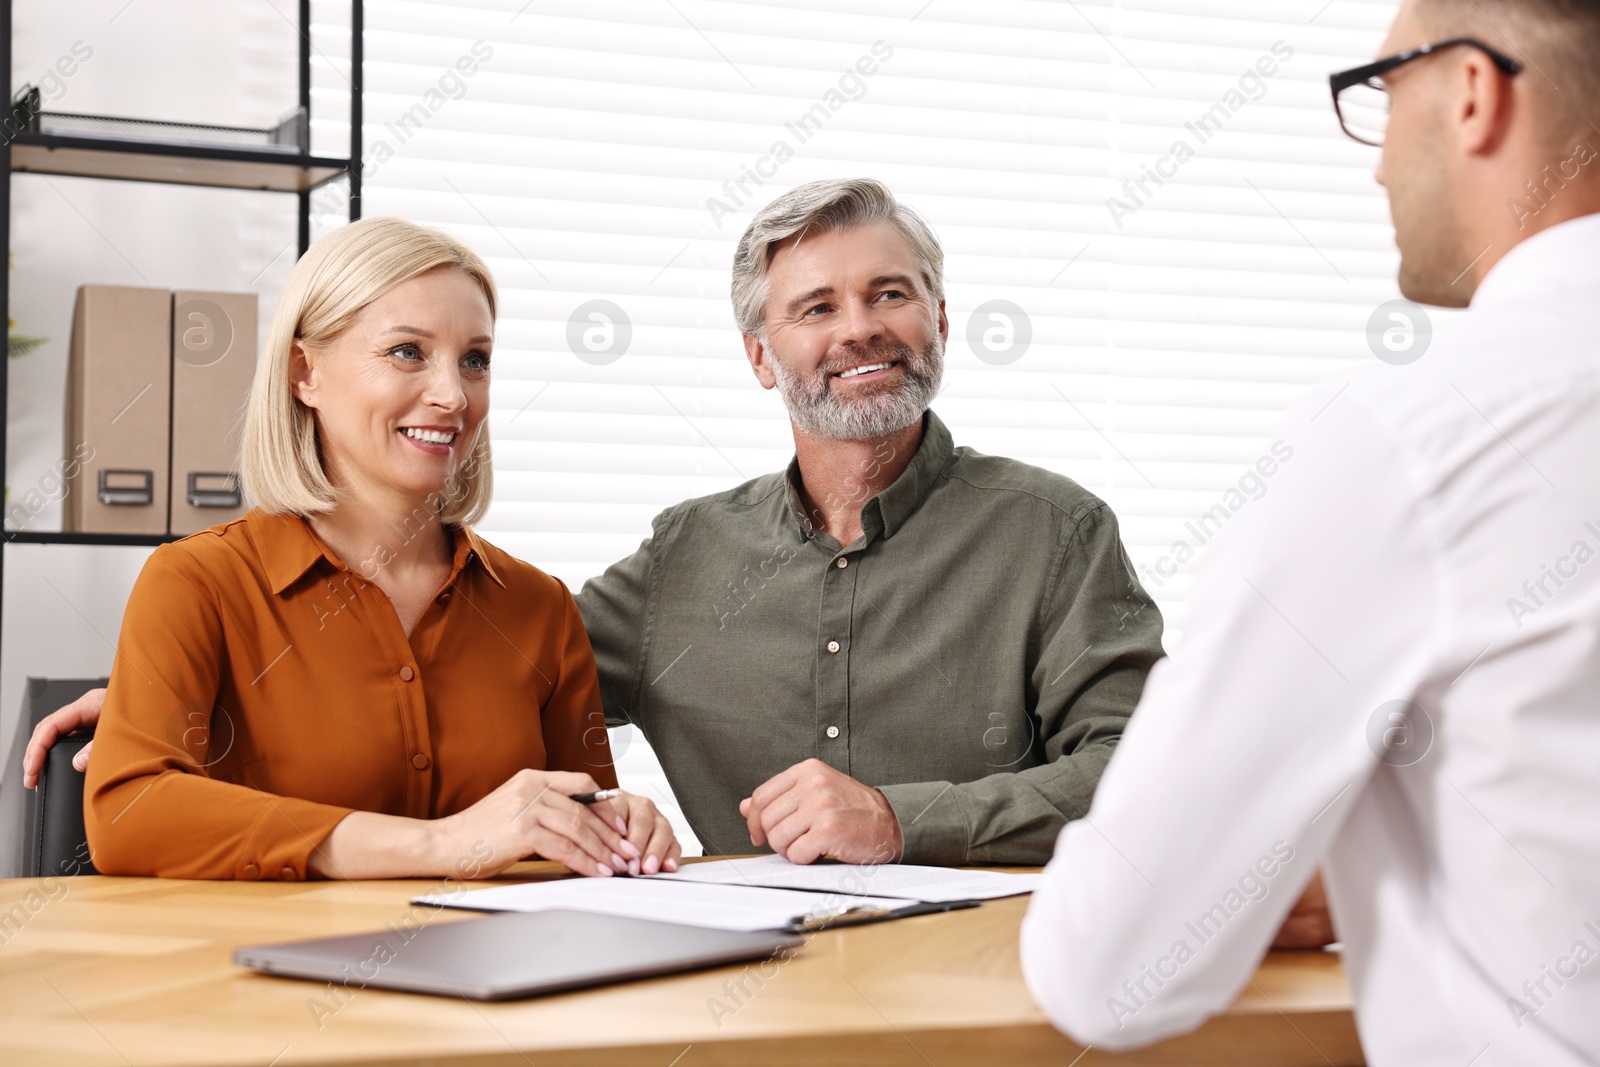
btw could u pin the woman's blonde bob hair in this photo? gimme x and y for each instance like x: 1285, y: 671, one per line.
x: 280, y: 459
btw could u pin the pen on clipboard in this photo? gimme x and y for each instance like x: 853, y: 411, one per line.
x: 854, y: 914
x: 591, y: 798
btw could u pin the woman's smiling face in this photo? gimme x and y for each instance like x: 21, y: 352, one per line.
x: 402, y: 392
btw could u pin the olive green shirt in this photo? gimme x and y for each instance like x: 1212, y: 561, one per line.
x: 974, y: 655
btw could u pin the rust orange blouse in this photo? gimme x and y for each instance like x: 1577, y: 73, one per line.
x: 263, y: 690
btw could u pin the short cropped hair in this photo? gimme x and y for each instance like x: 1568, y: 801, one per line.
x: 821, y: 207
x: 280, y: 461
x: 1559, y: 41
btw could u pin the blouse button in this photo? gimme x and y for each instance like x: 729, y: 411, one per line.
x: 251, y: 871
x: 406, y: 673
x: 419, y: 761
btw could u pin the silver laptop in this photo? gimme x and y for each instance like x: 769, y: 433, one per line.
x: 513, y: 954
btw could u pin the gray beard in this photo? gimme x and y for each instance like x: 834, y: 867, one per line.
x: 816, y: 410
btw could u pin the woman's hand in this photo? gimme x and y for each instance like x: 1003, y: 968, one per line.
x: 85, y: 711
x: 650, y: 833
x: 534, y: 813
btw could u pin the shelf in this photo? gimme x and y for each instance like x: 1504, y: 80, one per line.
x: 276, y: 159
x: 172, y: 164
x: 56, y: 537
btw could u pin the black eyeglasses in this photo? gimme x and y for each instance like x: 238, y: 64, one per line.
x: 1361, y: 100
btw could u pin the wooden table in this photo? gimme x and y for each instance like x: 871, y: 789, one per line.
x: 138, y: 971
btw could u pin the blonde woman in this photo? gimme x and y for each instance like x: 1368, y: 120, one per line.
x: 348, y: 682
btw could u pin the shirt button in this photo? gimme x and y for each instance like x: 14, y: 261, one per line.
x: 406, y: 674
x: 419, y: 761
x: 841, y: 563
x: 251, y: 871
x: 833, y: 731
x: 443, y: 597
x: 288, y: 874
x: 833, y: 646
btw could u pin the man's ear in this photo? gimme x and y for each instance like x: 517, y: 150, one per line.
x: 756, y: 351
x: 304, y: 379
x: 944, y: 325
x: 1481, y: 109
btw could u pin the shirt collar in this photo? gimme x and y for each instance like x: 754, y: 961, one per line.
x: 889, y: 510
x: 1564, y: 257
x: 469, y: 546
x: 289, y: 549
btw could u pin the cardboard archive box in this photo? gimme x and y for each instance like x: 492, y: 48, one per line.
x: 119, y: 410
x: 213, y: 364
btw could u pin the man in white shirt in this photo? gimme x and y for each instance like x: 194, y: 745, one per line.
x: 1393, y: 666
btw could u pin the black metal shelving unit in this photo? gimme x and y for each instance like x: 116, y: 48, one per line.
x: 96, y: 150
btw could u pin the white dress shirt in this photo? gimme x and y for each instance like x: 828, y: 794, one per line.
x: 1434, y: 539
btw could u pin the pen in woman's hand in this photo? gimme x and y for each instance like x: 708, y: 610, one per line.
x: 651, y: 847
x: 630, y: 866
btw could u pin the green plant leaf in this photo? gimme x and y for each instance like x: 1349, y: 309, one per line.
x: 21, y: 346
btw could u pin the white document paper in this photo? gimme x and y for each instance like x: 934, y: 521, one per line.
x: 725, y: 907
x: 908, y: 882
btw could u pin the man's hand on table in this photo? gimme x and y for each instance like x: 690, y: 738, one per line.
x: 1309, y: 924
x: 811, y: 812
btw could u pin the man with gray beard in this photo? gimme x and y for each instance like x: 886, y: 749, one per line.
x: 894, y: 650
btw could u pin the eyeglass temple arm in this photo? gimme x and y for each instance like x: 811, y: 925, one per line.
x: 1344, y: 79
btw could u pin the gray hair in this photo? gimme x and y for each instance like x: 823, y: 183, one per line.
x: 821, y: 207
